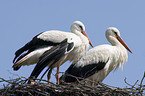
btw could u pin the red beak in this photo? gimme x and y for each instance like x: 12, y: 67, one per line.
x: 83, y: 32
x: 123, y: 43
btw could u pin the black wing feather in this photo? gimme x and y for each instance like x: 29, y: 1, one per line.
x: 53, y: 55
x: 32, y: 45
x: 73, y: 73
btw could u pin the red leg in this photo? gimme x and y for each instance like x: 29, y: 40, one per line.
x: 57, y: 75
x: 92, y: 84
x: 49, y: 75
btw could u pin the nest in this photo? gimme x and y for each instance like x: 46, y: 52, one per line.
x: 19, y: 87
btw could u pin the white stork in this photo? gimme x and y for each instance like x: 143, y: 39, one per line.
x: 99, y: 61
x: 44, y: 41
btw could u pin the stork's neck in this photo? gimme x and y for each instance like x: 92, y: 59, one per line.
x: 120, y: 53
x: 83, y: 45
x: 78, y: 33
x: 118, y: 45
x: 114, y: 41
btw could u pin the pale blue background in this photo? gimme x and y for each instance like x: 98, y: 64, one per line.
x: 22, y: 20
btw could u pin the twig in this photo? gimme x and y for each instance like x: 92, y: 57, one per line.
x: 141, y: 89
x: 19, y: 86
x: 142, y: 79
x: 128, y: 83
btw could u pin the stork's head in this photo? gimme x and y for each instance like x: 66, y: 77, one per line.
x: 78, y: 27
x: 113, y: 36
x: 112, y: 31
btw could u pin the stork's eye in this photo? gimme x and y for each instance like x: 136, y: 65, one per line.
x: 115, y: 33
x: 81, y: 27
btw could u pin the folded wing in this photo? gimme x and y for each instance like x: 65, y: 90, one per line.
x: 50, y: 57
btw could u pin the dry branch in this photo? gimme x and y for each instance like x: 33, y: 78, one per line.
x: 19, y: 87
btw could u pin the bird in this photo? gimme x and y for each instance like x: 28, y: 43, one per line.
x: 99, y: 61
x: 31, y: 52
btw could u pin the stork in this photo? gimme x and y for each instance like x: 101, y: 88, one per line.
x: 99, y: 61
x: 44, y: 41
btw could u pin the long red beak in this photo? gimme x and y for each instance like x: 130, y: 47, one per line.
x: 123, y: 43
x: 83, y: 32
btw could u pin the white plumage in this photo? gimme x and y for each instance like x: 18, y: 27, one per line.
x: 45, y: 41
x: 99, y: 61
